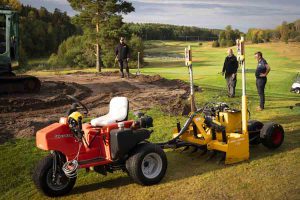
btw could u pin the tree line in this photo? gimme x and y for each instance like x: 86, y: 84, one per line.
x: 152, y: 31
x: 227, y: 37
x: 285, y: 32
x: 40, y: 31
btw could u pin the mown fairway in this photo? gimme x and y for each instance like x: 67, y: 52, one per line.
x: 268, y: 174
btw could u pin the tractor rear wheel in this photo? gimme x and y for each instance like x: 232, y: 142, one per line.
x: 49, y: 185
x: 147, y: 165
x: 272, y: 135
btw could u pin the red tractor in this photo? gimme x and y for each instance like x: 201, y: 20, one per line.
x: 108, y: 143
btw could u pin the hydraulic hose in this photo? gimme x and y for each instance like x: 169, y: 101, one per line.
x: 70, y: 168
x: 181, y: 132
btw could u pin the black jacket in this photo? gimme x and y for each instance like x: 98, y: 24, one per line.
x: 230, y: 65
x: 122, y: 51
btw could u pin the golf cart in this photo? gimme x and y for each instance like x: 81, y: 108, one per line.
x: 296, y: 85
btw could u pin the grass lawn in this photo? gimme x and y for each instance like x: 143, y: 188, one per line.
x: 268, y: 174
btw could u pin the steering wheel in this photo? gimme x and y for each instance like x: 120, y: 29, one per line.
x: 81, y: 105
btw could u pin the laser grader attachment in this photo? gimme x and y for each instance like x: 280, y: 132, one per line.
x: 218, y: 128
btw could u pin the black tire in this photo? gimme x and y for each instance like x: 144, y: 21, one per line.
x: 254, y: 128
x: 145, y: 156
x: 42, y: 175
x: 297, y: 90
x: 272, y: 135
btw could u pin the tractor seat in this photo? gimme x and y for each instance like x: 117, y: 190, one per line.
x: 118, y: 111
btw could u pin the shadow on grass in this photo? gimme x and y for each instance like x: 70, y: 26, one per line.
x: 122, y: 181
x: 5, y: 136
x: 291, y: 142
x: 164, y: 64
x: 188, y: 164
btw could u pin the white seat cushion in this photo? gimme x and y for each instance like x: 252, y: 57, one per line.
x: 118, y: 111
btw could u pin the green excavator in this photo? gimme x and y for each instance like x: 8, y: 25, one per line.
x: 9, y: 56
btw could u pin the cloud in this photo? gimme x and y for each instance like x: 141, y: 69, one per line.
x: 63, y: 5
x: 202, y: 13
x: 216, y: 13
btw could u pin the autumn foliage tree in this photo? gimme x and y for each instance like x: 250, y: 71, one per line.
x: 285, y: 32
x: 227, y: 38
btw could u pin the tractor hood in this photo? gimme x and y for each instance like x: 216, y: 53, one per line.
x: 57, y: 137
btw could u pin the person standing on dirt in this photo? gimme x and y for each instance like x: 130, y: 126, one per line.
x: 230, y: 71
x: 261, y: 73
x: 122, y: 56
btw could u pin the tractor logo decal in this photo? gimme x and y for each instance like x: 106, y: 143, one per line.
x: 64, y: 136
x: 237, y: 140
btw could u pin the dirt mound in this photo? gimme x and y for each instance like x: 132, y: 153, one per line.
x: 52, y: 94
x: 21, y: 115
x: 156, y: 80
x: 163, y: 82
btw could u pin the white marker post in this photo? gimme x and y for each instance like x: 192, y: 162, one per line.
x: 188, y: 63
x: 138, y: 71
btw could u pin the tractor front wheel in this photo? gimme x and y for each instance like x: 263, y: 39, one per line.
x: 51, y: 184
x: 272, y: 135
x: 147, y: 165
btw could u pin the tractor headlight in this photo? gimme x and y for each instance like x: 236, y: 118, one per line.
x: 75, y: 119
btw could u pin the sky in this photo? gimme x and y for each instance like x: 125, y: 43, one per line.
x: 241, y: 14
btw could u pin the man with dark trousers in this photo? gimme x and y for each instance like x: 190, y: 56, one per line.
x: 261, y: 73
x: 122, y: 55
x: 230, y: 71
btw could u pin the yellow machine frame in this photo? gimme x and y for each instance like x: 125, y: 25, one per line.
x: 236, y: 143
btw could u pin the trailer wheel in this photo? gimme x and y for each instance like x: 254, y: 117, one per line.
x: 272, y: 135
x: 52, y: 187
x: 147, y: 165
x: 254, y: 128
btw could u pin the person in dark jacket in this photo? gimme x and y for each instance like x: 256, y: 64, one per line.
x: 230, y: 71
x: 261, y: 73
x: 122, y: 55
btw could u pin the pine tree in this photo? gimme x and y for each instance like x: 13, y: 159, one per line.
x: 102, y: 20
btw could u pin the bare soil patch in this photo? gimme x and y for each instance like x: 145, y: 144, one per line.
x: 21, y: 115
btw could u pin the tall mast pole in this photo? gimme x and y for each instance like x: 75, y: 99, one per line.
x: 241, y: 59
x: 188, y: 63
